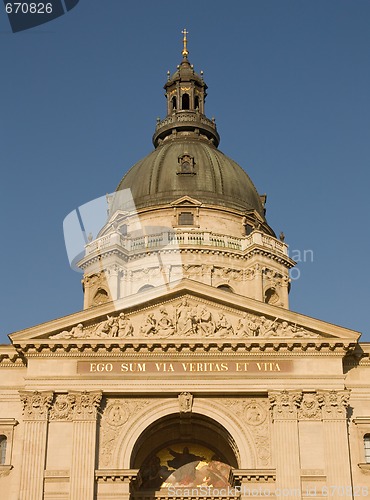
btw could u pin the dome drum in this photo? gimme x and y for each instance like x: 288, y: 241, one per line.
x: 186, y: 121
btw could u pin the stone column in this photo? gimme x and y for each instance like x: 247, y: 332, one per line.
x: 286, y: 442
x: 35, y: 410
x: 82, y: 479
x: 334, y: 414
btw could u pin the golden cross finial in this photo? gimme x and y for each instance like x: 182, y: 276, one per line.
x: 185, y: 51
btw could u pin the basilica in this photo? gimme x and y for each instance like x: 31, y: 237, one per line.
x: 186, y: 375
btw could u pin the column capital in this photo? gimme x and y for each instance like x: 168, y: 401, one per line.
x: 86, y: 404
x: 36, y: 404
x: 334, y: 404
x: 284, y: 404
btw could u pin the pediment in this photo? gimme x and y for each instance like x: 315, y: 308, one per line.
x: 186, y: 201
x: 189, y: 310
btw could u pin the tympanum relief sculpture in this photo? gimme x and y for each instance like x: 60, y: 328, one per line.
x: 187, y: 318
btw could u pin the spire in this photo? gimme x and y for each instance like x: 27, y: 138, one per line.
x: 186, y: 93
x: 185, y: 51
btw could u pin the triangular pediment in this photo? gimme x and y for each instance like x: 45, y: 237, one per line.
x: 186, y: 201
x: 188, y: 310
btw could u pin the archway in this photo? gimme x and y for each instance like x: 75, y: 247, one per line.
x: 183, y: 451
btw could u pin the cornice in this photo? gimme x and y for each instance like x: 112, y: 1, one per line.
x: 112, y: 347
x: 116, y: 474
x: 247, y: 475
x: 10, y: 357
x: 233, y: 253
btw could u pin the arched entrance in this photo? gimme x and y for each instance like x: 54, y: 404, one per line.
x: 183, y: 452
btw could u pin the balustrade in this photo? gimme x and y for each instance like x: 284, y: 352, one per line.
x: 186, y: 238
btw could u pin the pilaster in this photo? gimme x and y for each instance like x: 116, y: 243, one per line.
x: 286, y: 442
x: 334, y: 414
x: 257, y: 283
x: 113, y: 281
x: 35, y: 410
x: 84, y: 445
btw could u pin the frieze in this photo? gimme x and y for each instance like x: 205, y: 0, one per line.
x: 309, y: 406
x: 187, y: 318
x: 36, y: 404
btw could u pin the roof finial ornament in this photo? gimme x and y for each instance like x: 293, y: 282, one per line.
x: 185, y: 51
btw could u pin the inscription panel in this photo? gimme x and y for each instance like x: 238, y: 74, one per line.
x: 182, y: 367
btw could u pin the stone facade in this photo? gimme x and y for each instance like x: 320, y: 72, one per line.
x: 292, y: 410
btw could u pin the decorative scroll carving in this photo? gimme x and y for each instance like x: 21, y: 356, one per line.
x: 253, y: 414
x: 36, y: 404
x: 284, y: 404
x: 335, y: 403
x: 62, y: 408
x: 187, y: 319
x: 115, y: 418
x: 86, y: 405
x: 185, y: 402
x: 310, y: 408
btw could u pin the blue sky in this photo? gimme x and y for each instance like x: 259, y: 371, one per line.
x: 288, y: 84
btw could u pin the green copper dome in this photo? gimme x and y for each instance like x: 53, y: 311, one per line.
x: 212, y: 179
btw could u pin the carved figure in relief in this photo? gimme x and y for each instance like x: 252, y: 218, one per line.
x: 253, y: 325
x: 116, y: 415
x: 284, y: 329
x: 242, y: 326
x: 185, y: 402
x: 76, y: 332
x: 267, y: 326
x: 184, y: 319
x: 223, y: 327
x: 254, y: 413
x: 149, y: 327
x: 204, y: 322
x: 125, y: 328
x: 107, y: 328
x: 165, y: 326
